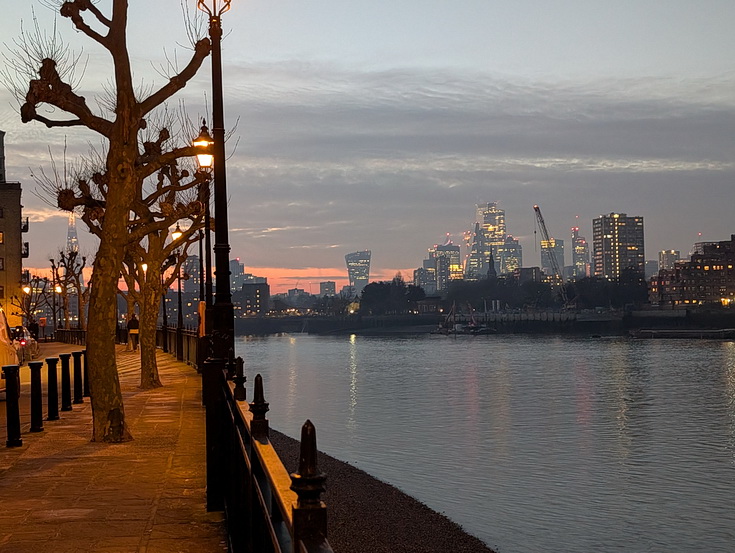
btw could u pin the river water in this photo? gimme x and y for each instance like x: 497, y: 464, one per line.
x: 531, y: 443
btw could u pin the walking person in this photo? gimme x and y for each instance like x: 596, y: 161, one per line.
x: 133, y: 326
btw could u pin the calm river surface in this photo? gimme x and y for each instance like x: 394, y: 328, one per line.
x: 531, y: 443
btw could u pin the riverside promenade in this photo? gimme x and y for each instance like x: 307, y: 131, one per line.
x: 61, y: 492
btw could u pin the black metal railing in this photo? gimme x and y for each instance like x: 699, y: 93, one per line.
x: 266, y: 508
x: 71, y: 336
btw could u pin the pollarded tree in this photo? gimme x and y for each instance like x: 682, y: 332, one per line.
x: 111, y: 195
x: 146, y: 262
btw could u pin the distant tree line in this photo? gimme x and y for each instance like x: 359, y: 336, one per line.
x: 586, y: 293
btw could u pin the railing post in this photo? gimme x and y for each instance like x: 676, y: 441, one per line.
x: 12, y: 410
x: 65, y: 382
x: 239, y: 379
x: 85, y: 370
x: 36, y: 396
x: 230, y: 364
x: 309, y: 511
x: 259, y: 407
x: 212, y: 396
x: 78, y: 385
x: 53, y: 389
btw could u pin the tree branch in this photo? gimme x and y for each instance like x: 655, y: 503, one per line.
x: 73, y: 10
x: 177, y: 82
x: 50, y: 89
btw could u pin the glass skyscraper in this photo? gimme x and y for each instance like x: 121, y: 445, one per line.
x: 358, y: 269
x: 617, y: 242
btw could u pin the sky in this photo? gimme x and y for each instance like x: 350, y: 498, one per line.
x: 379, y: 125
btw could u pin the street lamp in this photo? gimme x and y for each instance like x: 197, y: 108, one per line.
x: 223, y: 313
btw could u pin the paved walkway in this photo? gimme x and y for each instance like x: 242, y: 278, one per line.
x: 61, y: 493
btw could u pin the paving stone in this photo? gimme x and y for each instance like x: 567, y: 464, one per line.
x: 61, y: 492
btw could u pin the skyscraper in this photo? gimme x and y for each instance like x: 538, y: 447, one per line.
x: 477, y: 260
x: 617, y: 242
x: 580, y: 255
x: 510, y: 254
x: 358, y: 269
x: 555, y: 247
x: 488, y: 240
x: 72, y: 241
x: 446, y: 260
x: 237, y: 274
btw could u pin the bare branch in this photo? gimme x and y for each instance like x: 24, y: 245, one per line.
x: 51, y: 89
x: 177, y: 82
x: 73, y: 10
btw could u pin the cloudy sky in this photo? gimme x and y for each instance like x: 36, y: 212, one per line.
x: 379, y: 125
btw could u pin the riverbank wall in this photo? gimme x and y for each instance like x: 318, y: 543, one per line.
x: 608, y: 323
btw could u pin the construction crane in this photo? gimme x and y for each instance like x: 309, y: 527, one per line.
x: 551, y: 253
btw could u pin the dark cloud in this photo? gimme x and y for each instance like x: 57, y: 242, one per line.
x: 331, y: 160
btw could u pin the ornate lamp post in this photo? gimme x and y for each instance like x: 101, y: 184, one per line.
x: 204, y: 144
x: 223, y: 315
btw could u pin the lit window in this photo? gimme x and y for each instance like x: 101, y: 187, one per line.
x: 2, y: 237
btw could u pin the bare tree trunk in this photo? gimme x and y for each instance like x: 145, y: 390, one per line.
x: 108, y: 413
x: 150, y: 299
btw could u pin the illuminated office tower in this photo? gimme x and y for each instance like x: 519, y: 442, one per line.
x: 667, y: 258
x: 446, y: 260
x: 510, y: 254
x: 580, y: 255
x: 617, y: 242
x: 358, y: 269
x: 555, y: 247
x: 492, y: 223
x: 477, y: 261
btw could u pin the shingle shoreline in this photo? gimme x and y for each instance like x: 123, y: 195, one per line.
x: 367, y: 515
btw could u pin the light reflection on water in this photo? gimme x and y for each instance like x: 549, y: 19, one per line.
x: 530, y: 443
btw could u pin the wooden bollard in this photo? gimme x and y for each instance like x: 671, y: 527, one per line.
x: 52, y: 395
x: 65, y: 382
x: 78, y: 384
x: 36, y: 396
x: 309, y: 511
x: 12, y: 409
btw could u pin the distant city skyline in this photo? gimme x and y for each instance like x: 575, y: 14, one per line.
x: 380, y: 126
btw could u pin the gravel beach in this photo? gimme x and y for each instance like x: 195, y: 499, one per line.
x: 367, y: 515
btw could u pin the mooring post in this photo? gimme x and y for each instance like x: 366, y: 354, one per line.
x: 213, y: 375
x: 259, y: 407
x: 36, y: 396
x: 65, y: 382
x: 52, y: 394
x: 12, y: 410
x: 86, y: 373
x: 309, y: 511
x: 239, y: 379
x: 78, y: 384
